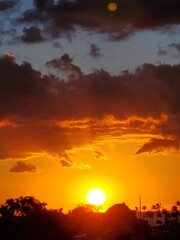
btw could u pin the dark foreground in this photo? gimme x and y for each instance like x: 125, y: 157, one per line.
x: 26, y: 218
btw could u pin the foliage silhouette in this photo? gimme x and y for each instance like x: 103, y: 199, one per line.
x: 28, y: 218
x: 22, y: 206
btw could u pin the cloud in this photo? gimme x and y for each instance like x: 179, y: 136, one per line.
x: 32, y: 16
x: 65, y: 160
x: 169, y: 50
x: 95, y: 51
x: 159, y: 145
x: 45, y: 113
x: 5, y: 155
x: 63, y: 18
x: 82, y: 165
x: 9, y: 55
x: 7, y: 18
x: 76, y: 165
x: 162, y: 51
x: 21, y: 166
x: 32, y: 35
x: 21, y: 87
x: 65, y: 63
x: 65, y: 163
x: 175, y: 46
x: 40, y: 4
x: 6, y: 5
x: 99, y: 155
x: 57, y: 45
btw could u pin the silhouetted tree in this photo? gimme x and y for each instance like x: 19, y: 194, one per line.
x: 174, y: 213
x: 120, y: 222
x: 85, y: 219
x: 22, y: 206
x: 149, y: 215
x: 27, y: 218
x: 157, y: 217
x: 177, y: 203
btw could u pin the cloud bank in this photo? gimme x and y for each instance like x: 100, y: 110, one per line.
x: 46, y: 113
x: 51, y: 19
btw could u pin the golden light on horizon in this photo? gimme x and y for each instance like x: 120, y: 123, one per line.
x: 112, y: 6
x: 96, y: 196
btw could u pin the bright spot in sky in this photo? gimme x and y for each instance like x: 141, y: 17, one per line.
x: 96, y: 196
x: 112, y: 6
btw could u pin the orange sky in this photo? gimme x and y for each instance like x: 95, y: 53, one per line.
x: 109, y: 163
x: 90, y: 98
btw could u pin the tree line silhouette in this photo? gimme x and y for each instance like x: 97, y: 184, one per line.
x: 26, y: 218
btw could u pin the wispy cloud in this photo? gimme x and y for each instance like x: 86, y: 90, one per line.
x: 175, y: 46
x: 67, y: 162
x: 162, y: 51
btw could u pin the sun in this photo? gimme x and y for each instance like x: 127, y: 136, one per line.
x: 96, y: 196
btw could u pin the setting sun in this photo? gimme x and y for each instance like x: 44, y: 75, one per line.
x: 96, y: 196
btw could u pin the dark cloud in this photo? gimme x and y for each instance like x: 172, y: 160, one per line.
x: 51, y: 19
x: 160, y: 145
x: 162, y: 51
x: 95, y: 51
x: 7, y: 19
x: 11, y: 31
x: 65, y: 160
x: 32, y: 16
x: 44, y: 113
x: 99, y: 155
x: 32, y: 35
x: 65, y: 163
x: 20, y: 167
x: 21, y: 88
x: 64, y: 63
x: 60, y: 17
x: 4, y: 155
x: 6, y: 5
x: 146, y: 92
x: 175, y: 46
x: 18, y: 142
x: 41, y: 4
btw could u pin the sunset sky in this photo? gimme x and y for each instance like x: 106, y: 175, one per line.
x: 90, y: 97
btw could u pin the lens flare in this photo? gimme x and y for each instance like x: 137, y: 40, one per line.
x: 112, y: 6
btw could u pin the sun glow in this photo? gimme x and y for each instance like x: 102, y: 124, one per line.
x: 96, y: 196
